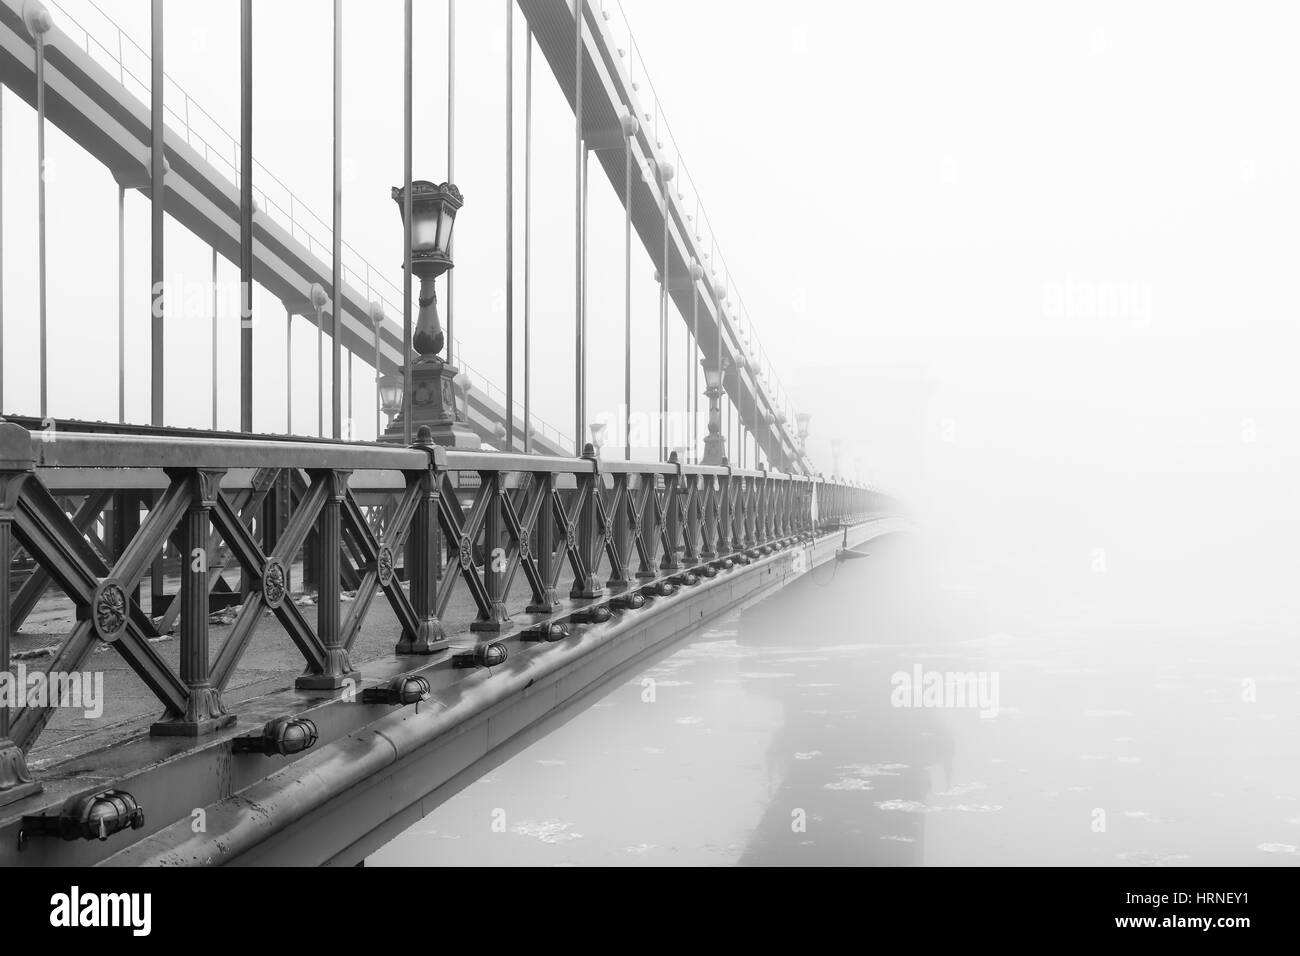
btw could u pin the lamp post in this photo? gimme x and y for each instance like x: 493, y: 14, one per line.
x: 597, y: 436
x: 801, y: 423
x: 376, y: 323
x: 500, y: 431
x: 461, y: 380
x: 432, y: 401
x: 319, y: 299
x: 714, y: 444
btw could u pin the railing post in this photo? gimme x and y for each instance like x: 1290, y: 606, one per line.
x: 16, y: 464
x: 747, y: 513
x: 622, y: 531
x: 690, y: 548
x: 805, y: 504
x: 204, y: 712
x: 590, y: 540
x: 493, y: 564
x: 672, y: 518
x: 544, y: 546
x: 780, y: 495
x: 338, y: 669
x: 710, y: 488
x: 649, y: 527
x: 422, y: 567
x: 723, y: 544
x: 126, y: 522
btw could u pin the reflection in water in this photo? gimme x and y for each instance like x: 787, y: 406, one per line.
x: 1121, y: 737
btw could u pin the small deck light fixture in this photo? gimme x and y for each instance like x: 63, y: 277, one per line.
x: 282, y: 736
x: 94, y: 816
x: 411, y: 689
x: 483, y: 655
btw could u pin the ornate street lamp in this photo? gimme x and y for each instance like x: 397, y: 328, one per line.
x: 462, y: 381
x: 801, y: 426
x: 433, y: 214
x: 597, y: 435
x: 433, y: 399
x: 714, y: 444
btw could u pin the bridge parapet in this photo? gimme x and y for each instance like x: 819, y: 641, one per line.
x: 422, y: 526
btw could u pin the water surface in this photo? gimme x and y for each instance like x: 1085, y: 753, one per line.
x: 1128, y: 731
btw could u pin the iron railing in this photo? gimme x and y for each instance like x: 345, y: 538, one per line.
x: 417, y: 525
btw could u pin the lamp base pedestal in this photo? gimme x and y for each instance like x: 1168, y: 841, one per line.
x: 434, y: 404
x: 715, y: 449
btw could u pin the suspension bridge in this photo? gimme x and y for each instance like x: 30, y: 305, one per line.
x: 307, y: 642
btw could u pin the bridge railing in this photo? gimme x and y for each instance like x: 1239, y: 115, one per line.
x: 420, y: 526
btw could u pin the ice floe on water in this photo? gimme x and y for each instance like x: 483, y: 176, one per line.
x: 916, y: 806
x: 548, y: 831
x: 961, y: 789
x: 858, y: 776
x: 1287, y: 848
x: 1148, y: 817
x: 1149, y: 858
x: 807, y: 755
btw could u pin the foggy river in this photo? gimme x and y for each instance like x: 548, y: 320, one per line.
x: 1115, y: 727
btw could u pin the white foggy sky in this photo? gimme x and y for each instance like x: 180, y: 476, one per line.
x: 926, y: 207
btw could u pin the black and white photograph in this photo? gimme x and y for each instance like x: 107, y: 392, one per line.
x: 642, y: 434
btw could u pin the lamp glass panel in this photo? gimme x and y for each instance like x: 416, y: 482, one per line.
x: 446, y: 219
x: 424, y: 232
